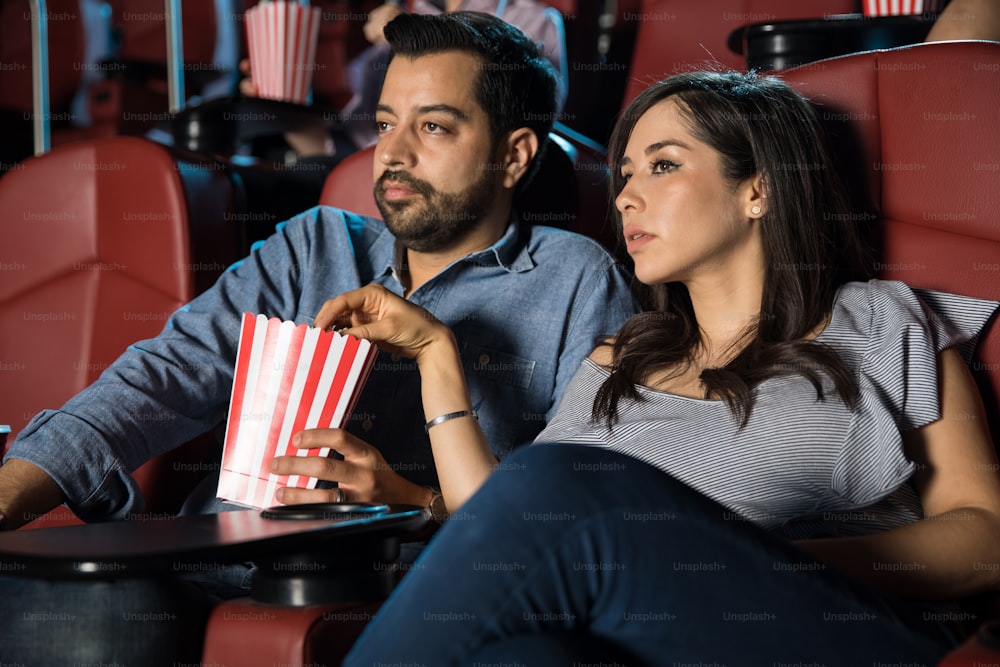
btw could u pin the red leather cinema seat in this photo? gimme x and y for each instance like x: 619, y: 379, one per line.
x: 679, y: 36
x: 926, y: 119
x: 143, y: 28
x: 920, y: 127
x: 100, y: 241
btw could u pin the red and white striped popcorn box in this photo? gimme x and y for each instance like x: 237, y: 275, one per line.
x: 900, y: 7
x: 288, y: 378
x: 281, y: 40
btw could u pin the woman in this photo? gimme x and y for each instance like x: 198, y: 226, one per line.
x: 815, y: 506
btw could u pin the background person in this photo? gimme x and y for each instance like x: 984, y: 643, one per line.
x: 355, y: 126
x: 967, y: 19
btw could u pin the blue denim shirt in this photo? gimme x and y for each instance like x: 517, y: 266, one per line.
x: 525, y: 312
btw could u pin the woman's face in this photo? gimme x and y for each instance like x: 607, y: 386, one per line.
x: 682, y: 220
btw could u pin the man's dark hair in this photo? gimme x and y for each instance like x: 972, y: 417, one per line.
x: 516, y: 85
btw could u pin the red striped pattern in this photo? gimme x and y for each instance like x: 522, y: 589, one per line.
x: 287, y: 378
x: 900, y: 7
x: 281, y: 41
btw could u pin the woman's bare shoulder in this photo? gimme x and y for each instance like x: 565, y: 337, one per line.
x: 603, y: 353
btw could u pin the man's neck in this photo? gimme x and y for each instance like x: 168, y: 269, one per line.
x: 422, y: 266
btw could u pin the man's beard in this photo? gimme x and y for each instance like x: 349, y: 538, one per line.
x: 433, y: 221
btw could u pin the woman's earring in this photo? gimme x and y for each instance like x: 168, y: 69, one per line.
x: 755, y: 209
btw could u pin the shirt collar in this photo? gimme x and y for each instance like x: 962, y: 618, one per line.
x: 510, y: 252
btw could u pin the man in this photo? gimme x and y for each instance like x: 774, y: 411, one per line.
x: 464, y: 111
x: 465, y: 108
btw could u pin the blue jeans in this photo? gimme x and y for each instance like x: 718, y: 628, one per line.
x: 580, y: 543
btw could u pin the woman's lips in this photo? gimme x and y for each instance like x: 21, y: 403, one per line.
x: 635, y: 239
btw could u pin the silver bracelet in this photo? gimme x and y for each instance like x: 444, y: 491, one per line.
x: 448, y: 417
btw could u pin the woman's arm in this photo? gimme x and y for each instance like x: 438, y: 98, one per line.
x: 462, y: 455
x: 954, y: 550
x: 967, y: 19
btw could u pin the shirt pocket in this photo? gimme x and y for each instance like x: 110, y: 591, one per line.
x: 490, y: 366
x: 499, y: 386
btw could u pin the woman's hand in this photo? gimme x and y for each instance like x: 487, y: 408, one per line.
x: 377, y: 18
x: 362, y: 475
x: 247, y: 86
x: 396, y: 325
x: 462, y: 456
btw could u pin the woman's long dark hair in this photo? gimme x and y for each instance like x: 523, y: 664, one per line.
x: 759, y: 125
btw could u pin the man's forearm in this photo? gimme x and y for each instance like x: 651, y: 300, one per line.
x: 26, y: 492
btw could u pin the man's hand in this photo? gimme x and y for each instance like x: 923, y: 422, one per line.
x: 377, y: 18
x: 363, y: 475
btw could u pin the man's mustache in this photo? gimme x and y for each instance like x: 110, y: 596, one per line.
x: 403, y: 178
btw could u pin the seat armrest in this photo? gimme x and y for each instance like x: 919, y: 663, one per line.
x: 983, y: 648
x: 244, y: 632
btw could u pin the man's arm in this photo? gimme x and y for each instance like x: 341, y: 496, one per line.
x: 603, y: 307
x: 159, y: 394
x: 26, y: 492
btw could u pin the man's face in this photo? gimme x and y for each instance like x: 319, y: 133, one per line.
x: 435, y: 176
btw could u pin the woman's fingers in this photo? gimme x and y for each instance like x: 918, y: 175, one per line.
x: 374, y: 313
x: 353, y: 307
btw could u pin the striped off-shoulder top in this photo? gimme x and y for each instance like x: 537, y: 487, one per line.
x: 802, y: 466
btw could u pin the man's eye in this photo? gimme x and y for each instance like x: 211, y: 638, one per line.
x: 434, y: 128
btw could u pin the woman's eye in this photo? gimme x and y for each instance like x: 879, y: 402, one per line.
x: 664, y: 166
x: 626, y: 177
x: 381, y: 126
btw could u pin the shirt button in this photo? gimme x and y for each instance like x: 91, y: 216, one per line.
x: 394, y: 357
x: 484, y: 359
x: 367, y: 425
